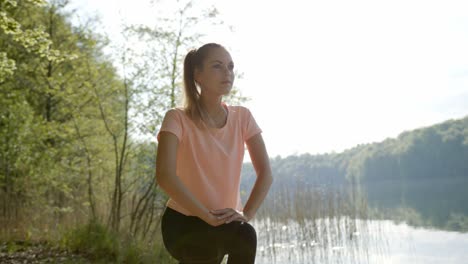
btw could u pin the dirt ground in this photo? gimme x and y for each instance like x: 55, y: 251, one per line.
x: 21, y: 252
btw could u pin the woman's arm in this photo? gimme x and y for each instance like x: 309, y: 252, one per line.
x: 166, y: 177
x: 261, y: 163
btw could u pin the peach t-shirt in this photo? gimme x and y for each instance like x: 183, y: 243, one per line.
x: 209, y: 160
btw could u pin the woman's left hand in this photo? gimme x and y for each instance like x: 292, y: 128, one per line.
x: 228, y: 215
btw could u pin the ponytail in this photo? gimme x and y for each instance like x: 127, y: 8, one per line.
x: 192, y: 95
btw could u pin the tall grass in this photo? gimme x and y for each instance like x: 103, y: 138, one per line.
x: 313, y: 224
x: 74, y: 231
x: 100, y: 244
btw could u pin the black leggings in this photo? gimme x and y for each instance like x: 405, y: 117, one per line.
x: 191, y: 240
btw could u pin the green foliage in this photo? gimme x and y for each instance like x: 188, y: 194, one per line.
x: 68, y: 120
x: 50, y: 129
x: 457, y: 222
x: 94, y: 240
x: 433, y: 152
x: 21, y: 34
x: 100, y: 244
x: 68, y: 154
x: 7, y: 66
x: 157, y: 65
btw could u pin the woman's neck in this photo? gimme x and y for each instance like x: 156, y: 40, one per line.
x: 213, y: 112
x: 212, y: 106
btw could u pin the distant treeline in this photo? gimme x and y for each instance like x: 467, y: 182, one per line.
x: 439, y: 151
x: 425, y: 169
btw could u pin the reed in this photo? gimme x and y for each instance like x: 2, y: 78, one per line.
x: 313, y: 224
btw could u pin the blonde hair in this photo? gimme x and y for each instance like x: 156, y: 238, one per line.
x: 194, y: 61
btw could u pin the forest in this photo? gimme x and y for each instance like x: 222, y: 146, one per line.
x: 78, y: 119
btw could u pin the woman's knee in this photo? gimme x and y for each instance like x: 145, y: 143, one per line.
x: 245, y: 234
x: 249, y: 231
x: 241, y: 243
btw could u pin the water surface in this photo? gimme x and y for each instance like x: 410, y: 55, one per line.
x: 346, y: 240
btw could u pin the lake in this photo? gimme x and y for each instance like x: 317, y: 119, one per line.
x: 375, y: 222
x: 347, y: 240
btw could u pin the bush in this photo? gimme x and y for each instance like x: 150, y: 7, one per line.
x: 94, y: 240
x: 100, y: 244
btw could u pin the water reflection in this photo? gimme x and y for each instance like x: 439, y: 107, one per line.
x: 350, y: 224
x: 331, y: 240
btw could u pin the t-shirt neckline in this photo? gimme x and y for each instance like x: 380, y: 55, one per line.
x: 225, y: 124
x: 214, y: 129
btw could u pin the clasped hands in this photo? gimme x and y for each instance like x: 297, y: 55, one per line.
x: 225, y: 216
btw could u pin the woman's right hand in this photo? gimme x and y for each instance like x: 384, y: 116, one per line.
x: 212, y: 220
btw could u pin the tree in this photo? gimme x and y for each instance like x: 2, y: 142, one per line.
x: 161, y: 59
x: 33, y: 40
x: 50, y: 139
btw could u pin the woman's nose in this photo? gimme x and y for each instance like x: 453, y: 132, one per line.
x: 228, y: 70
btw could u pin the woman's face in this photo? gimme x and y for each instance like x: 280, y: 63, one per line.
x: 217, y: 75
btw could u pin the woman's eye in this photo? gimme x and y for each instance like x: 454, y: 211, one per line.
x: 220, y: 66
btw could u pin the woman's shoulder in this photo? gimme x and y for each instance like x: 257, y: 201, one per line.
x: 238, y: 108
x: 241, y: 111
x: 175, y: 112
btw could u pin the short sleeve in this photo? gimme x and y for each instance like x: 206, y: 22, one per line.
x: 172, y: 123
x: 251, y: 127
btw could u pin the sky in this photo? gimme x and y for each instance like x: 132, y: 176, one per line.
x: 325, y: 76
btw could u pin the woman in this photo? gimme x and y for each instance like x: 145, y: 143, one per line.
x: 199, y: 160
